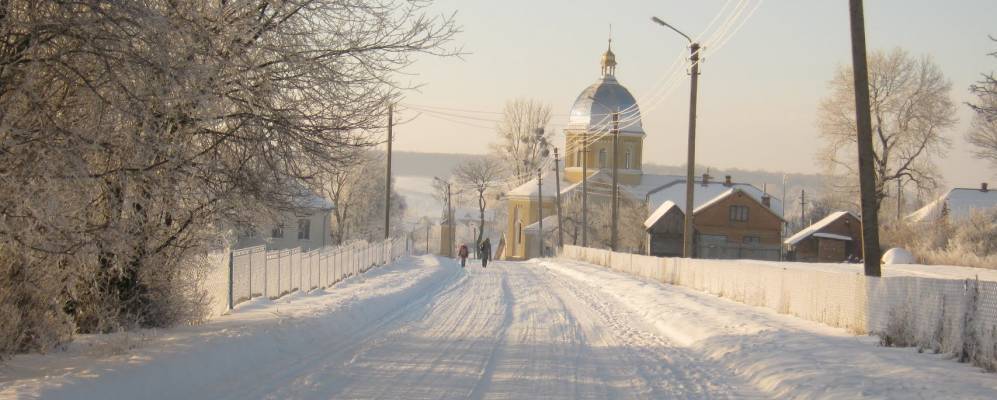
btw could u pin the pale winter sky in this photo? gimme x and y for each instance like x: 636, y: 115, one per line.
x: 758, y: 92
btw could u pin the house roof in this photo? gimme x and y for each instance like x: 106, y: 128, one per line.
x: 706, y: 203
x: 550, y: 224
x: 674, y: 191
x: 832, y: 236
x: 813, y: 230
x: 303, y: 197
x: 529, y: 189
x: 960, y: 201
x: 659, y: 212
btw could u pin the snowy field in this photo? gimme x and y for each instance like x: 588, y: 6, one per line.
x: 420, y: 197
x: 423, y: 328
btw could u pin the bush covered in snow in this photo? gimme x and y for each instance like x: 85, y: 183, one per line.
x: 970, y: 242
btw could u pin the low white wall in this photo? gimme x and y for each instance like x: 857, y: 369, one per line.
x: 956, y: 316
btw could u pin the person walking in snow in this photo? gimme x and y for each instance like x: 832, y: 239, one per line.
x: 486, y: 252
x: 462, y: 253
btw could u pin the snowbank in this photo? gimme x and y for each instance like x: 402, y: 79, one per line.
x: 910, y: 306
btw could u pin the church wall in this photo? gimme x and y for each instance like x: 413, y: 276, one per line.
x: 523, y: 212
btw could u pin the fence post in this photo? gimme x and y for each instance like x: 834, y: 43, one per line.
x: 231, y: 276
x: 250, y: 275
x: 266, y: 271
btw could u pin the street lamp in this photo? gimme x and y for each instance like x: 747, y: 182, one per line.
x: 687, y: 231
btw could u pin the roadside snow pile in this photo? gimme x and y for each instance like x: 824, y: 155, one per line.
x: 911, y: 305
x: 261, y: 338
x: 898, y: 255
x: 785, y: 356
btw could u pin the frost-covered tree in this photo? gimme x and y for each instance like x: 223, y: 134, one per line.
x: 517, y: 137
x: 480, y: 176
x: 131, y: 133
x: 911, y: 111
x: 357, y: 190
x: 983, y: 132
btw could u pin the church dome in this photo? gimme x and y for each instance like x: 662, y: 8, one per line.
x: 593, y: 109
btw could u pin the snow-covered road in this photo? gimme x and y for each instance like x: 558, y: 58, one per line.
x: 426, y: 329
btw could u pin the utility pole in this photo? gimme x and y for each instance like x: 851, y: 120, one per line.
x: 803, y: 208
x: 687, y: 230
x: 867, y: 179
x: 585, y: 189
x: 540, y: 211
x: 557, y: 187
x: 690, y: 183
x: 614, y: 235
x: 387, y: 179
x: 900, y: 195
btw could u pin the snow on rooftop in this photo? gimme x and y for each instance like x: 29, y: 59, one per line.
x: 960, y: 201
x: 529, y: 189
x: 550, y: 224
x: 816, y: 227
x: 832, y: 236
x: 658, y: 213
x: 702, y: 194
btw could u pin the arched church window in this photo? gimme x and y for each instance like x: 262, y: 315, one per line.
x: 627, y: 160
x: 602, y: 158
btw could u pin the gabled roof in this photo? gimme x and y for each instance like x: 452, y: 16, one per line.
x: 660, y: 212
x: 529, y: 189
x: 674, y: 191
x: 731, y: 192
x: 550, y: 225
x: 706, y: 203
x: 960, y: 202
x: 817, y: 226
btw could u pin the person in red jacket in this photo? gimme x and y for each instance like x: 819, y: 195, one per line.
x: 462, y: 253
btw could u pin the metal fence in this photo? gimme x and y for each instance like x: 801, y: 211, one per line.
x: 255, y: 271
x: 735, y: 251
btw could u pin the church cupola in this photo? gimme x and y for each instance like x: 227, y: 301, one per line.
x: 609, y: 61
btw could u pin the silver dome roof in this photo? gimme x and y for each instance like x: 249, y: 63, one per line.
x: 594, y: 107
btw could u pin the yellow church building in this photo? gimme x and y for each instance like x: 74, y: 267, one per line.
x: 591, y: 122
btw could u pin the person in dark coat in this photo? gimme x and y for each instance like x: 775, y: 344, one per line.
x: 462, y: 253
x: 486, y: 252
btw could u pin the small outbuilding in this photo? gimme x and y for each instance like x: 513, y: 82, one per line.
x: 835, y: 238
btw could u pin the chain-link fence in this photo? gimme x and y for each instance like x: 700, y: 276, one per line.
x: 954, y: 316
x: 256, y: 272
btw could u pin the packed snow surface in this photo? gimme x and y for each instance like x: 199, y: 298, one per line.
x: 424, y: 328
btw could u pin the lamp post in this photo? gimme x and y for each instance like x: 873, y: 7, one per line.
x: 687, y: 231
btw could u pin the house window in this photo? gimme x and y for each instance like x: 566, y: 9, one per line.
x: 578, y: 158
x: 738, y: 213
x: 602, y: 158
x: 752, y: 240
x: 520, y: 230
x: 304, y: 228
x: 278, y: 231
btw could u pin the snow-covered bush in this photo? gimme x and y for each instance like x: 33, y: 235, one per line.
x: 970, y: 241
